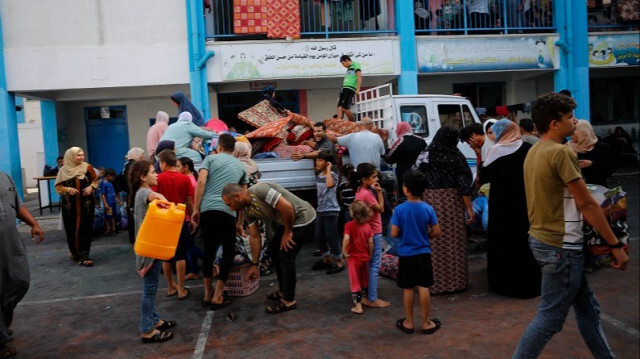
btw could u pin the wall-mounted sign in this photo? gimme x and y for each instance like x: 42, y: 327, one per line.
x: 482, y: 54
x: 307, y: 59
x: 614, y: 50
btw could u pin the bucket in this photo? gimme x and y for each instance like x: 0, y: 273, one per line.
x: 160, y: 231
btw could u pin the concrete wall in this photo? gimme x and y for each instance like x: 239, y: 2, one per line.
x: 73, y: 127
x: 53, y: 44
x: 31, y: 143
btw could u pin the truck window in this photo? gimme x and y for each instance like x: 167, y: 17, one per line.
x: 416, y: 116
x: 450, y: 115
x: 468, y: 117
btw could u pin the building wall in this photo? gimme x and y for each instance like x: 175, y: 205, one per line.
x: 75, y: 44
x: 31, y: 144
x: 73, y: 126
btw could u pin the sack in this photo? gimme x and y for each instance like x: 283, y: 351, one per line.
x: 597, y: 252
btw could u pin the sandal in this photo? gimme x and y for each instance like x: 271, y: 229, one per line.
x: 434, y: 329
x: 168, y: 324
x: 225, y: 301
x: 275, y: 296
x: 86, y: 263
x: 7, y: 352
x: 280, y: 308
x: 400, y: 325
x: 159, y: 337
x: 321, y: 265
x: 186, y: 295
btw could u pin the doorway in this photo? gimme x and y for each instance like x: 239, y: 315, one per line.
x: 107, y: 136
x: 487, y: 95
x: 231, y: 104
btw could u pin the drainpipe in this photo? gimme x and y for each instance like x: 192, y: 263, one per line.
x: 197, y: 57
x: 566, y: 48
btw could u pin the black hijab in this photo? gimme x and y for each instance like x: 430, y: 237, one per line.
x: 443, y: 163
x: 184, y: 105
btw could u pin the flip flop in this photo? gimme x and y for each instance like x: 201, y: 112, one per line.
x: 86, y: 263
x: 168, y: 324
x: 186, y: 296
x: 280, y: 308
x: 225, y: 301
x: 434, y: 329
x: 159, y: 337
x: 400, y: 325
x: 7, y: 352
x: 172, y: 294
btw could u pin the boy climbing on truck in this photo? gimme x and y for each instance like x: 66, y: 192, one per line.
x: 350, y: 86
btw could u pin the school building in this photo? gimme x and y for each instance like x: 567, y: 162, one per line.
x: 98, y: 71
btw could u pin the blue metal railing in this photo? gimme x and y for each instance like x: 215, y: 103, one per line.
x: 318, y: 19
x: 456, y: 17
x: 611, y: 17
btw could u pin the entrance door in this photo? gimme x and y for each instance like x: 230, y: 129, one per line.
x: 107, y: 136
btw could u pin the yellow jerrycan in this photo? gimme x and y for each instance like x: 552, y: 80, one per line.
x: 160, y: 230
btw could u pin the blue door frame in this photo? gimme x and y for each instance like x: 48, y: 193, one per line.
x: 107, y: 138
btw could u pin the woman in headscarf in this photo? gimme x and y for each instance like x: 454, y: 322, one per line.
x: 404, y: 151
x: 242, y: 151
x: 511, y: 268
x: 449, y: 184
x: 489, y: 137
x: 182, y: 133
x: 156, y: 131
x: 184, y: 105
x: 595, y: 157
x: 75, y: 183
x: 134, y: 154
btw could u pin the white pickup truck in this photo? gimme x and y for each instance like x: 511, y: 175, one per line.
x: 425, y: 113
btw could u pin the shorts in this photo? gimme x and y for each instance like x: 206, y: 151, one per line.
x: 415, y: 271
x: 346, y: 97
x: 181, y: 250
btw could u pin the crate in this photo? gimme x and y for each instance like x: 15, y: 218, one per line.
x: 238, y: 285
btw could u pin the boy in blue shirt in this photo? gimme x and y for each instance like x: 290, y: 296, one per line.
x: 414, y: 222
x: 109, y: 200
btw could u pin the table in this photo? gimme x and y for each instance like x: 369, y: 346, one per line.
x: 51, y: 204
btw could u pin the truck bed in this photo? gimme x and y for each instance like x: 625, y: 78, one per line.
x: 290, y: 174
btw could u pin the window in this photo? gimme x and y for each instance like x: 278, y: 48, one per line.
x: 450, y: 115
x: 614, y: 100
x: 468, y: 117
x: 416, y: 116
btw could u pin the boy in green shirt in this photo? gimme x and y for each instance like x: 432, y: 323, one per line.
x: 350, y: 86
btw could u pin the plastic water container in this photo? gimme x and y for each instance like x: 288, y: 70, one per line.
x: 160, y: 230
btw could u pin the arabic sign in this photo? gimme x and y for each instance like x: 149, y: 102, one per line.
x: 482, y: 54
x: 614, y: 50
x: 308, y: 59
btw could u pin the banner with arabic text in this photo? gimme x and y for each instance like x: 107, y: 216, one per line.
x: 614, y: 50
x: 485, y: 54
x: 306, y: 59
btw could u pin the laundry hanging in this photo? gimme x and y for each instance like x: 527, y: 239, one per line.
x: 283, y: 19
x: 250, y: 16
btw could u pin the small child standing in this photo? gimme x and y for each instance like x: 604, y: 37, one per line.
x: 357, y: 247
x: 368, y: 179
x: 414, y: 222
x: 109, y: 201
x: 328, y: 211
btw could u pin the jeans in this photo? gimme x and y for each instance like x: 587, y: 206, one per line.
x: 374, y: 267
x: 327, y: 234
x: 563, y: 285
x: 284, y: 263
x: 480, y: 207
x: 148, y: 305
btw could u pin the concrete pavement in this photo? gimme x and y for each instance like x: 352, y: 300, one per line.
x: 76, y: 312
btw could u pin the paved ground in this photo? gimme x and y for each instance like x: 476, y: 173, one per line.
x: 76, y: 312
